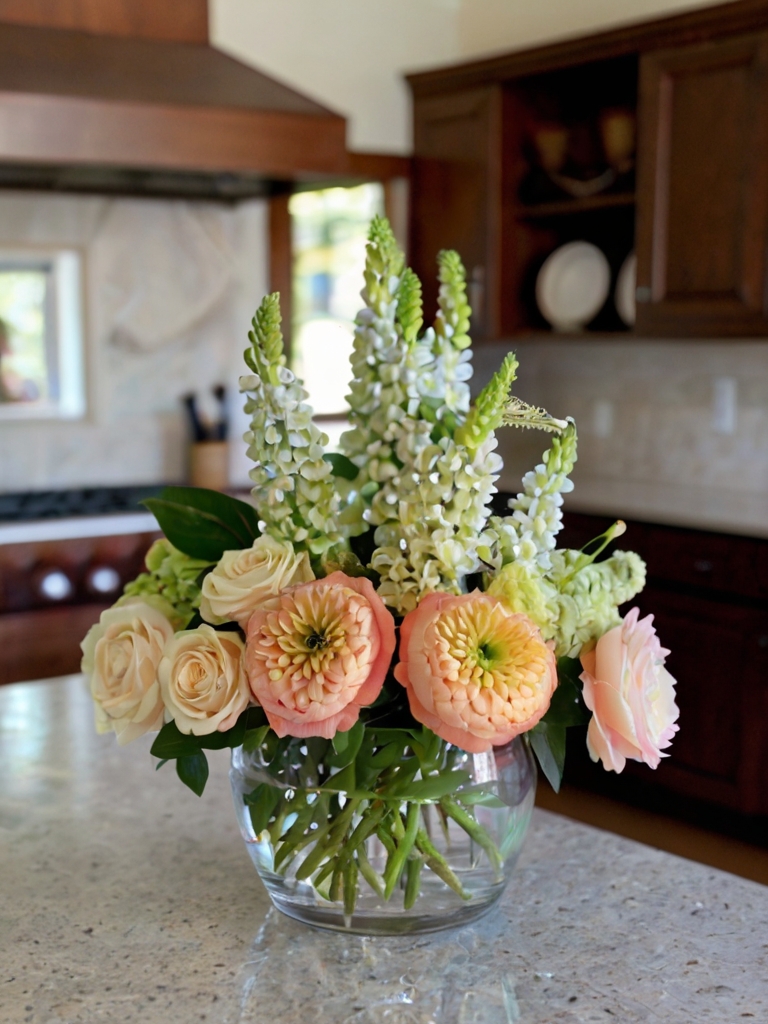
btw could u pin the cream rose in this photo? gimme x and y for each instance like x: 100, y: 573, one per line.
x: 246, y: 580
x: 202, y: 680
x: 630, y: 694
x: 120, y: 658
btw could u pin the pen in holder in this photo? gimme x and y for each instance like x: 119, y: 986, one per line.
x: 209, y: 452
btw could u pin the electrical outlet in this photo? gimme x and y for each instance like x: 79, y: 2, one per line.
x: 724, y: 405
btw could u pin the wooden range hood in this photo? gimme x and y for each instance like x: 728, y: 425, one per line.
x: 127, y: 96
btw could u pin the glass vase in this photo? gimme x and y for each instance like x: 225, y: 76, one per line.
x: 305, y: 838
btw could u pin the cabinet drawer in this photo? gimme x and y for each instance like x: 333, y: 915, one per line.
x: 709, y: 560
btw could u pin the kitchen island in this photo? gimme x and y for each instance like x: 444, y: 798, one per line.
x: 124, y: 898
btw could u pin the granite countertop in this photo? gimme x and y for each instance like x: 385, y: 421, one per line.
x: 124, y: 898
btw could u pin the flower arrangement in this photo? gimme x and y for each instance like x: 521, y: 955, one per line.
x: 370, y: 615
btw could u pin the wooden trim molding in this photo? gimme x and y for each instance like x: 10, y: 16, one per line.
x: 378, y: 166
x: 702, y: 25
x: 281, y: 261
x: 184, y: 21
x: 76, y: 131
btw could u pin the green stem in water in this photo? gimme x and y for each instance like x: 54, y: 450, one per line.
x: 372, y: 877
x: 336, y: 832
x: 349, y: 873
x: 396, y: 861
x: 412, y: 881
x: 437, y: 863
x: 336, y: 882
x: 473, y: 828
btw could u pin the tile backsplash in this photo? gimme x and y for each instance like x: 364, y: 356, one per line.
x: 686, y: 420
x: 691, y: 415
x: 169, y: 291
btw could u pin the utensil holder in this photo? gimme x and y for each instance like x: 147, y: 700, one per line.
x: 209, y: 465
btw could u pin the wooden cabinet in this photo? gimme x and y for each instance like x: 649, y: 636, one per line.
x: 703, y: 183
x: 496, y: 143
x: 459, y: 136
x: 51, y: 592
x: 710, y: 609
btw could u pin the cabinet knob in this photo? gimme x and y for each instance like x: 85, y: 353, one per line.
x: 55, y: 585
x: 703, y: 565
x: 103, y: 579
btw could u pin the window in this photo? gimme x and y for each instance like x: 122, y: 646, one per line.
x: 41, y: 359
x: 329, y: 229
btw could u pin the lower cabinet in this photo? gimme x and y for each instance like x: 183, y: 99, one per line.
x: 710, y: 608
x: 51, y: 593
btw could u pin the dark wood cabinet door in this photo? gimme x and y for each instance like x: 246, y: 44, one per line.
x: 702, y: 223
x: 718, y: 656
x: 454, y: 185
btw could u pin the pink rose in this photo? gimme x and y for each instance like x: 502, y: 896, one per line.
x: 320, y: 655
x: 477, y: 674
x: 630, y: 694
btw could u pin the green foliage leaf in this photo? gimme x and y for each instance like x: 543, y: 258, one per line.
x: 567, y: 706
x: 254, y: 738
x: 548, y: 744
x: 261, y: 803
x: 170, y: 742
x: 192, y: 769
x: 347, y: 744
x: 202, y: 523
x: 436, y: 786
x: 343, y: 781
x: 341, y: 465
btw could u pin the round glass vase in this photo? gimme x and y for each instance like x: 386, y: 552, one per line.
x: 430, y: 864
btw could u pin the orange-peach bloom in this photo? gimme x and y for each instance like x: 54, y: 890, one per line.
x: 476, y: 673
x: 320, y: 656
x: 630, y: 694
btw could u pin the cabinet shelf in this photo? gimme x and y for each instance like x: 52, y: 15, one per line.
x: 568, y: 207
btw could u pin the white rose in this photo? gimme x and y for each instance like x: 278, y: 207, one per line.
x: 120, y: 658
x: 203, y: 681
x: 246, y: 580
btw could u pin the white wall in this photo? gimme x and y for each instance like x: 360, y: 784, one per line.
x: 351, y: 54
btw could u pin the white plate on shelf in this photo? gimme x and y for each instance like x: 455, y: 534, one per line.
x: 624, y: 295
x: 572, y: 285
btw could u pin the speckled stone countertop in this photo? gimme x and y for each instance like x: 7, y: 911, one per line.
x: 124, y: 898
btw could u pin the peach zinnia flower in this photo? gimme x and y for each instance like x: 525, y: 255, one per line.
x: 320, y: 656
x: 476, y: 673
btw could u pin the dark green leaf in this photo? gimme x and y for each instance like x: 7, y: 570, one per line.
x: 262, y: 802
x: 347, y: 744
x: 170, y: 743
x: 160, y: 764
x: 202, y: 523
x: 567, y: 705
x: 548, y: 743
x: 192, y: 769
x: 436, y: 786
x: 254, y: 738
x: 341, y: 465
x: 387, y: 755
x: 341, y: 782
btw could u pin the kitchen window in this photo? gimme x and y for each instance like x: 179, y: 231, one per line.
x: 329, y: 230
x: 41, y: 350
